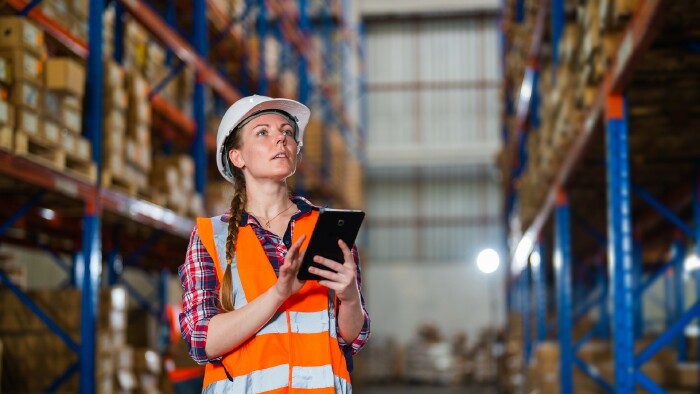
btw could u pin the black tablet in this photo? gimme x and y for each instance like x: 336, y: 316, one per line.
x: 332, y: 225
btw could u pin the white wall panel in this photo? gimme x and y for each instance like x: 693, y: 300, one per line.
x: 397, y: 7
x: 391, y: 118
x: 391, y: 52
x: 455, y: 295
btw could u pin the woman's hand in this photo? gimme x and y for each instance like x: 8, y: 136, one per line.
x: 343, y: 280
x: 287, y: 282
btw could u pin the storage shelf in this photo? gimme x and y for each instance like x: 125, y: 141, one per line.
x: 639, y: 33
x: 55, y: 29
x: 144, y: 212
x: 183, y: 50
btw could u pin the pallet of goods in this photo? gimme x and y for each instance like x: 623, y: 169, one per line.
x: 44, y: 100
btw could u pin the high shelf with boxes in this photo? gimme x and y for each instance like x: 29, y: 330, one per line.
x: 600, y: 138
x: 89, y: 168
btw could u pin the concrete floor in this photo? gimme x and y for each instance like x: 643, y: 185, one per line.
x: 422, y: 389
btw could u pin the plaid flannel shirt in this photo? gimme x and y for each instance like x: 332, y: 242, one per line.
x: 200, y: 301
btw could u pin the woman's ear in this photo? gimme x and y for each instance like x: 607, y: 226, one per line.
x: 234, y: 155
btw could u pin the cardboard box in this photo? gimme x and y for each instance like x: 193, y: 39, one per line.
x: 51, y: 132
x: 65, y: 75
x: 114, y: 298
x: 83, y: 148
x: 79, y: 8
x: 27, y: 94
x: 114, y: 121
x: 24, y: 65
x: 138, y: 88
x: 140, y: 113
x: 113, y: 140
x: 73, y: 102
x: 113, y: 75
x: 53, y: 106
x: 19, y: 32
x: 7, y: 114
x: 5, y: 74
x: 28, y: 121
x: 67, y: 141
x: 147, y: 360
x: 73, y: 120
x: 116, y: 98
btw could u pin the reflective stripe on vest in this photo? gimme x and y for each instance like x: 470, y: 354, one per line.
x: 298, y: 348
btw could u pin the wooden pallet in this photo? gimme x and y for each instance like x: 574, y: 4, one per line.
x: 37, y: 150
x: 117, y: 183
x: 81, y: 169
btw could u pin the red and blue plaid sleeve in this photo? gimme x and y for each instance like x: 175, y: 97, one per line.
x: 200, y: 300
x: 363, y: 337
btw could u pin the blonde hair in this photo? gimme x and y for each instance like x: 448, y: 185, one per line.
x: 238, y: 203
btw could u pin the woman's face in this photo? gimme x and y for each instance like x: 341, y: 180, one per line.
x: 268, y: 148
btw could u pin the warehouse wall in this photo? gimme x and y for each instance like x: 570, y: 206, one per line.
x: 433, y: 199
x: 384, y: 7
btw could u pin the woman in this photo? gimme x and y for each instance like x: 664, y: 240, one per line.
x: 245, y: 314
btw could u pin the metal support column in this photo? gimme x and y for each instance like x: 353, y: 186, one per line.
x: 90, y: 263
x: 637, y: 280
x: 198, y: 145
x: 562, y: 267
x: 527, y: 313
x: 558, y: 21
x: 621, y: 262
x: 679, y: 251
x: 604, y: 310
x: 539, y: 265
x: 262, y: 35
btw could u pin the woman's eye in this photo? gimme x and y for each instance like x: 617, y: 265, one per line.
x: 261, y: 133
x: 288, y: 133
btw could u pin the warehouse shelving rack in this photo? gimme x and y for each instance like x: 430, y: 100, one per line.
x: 95, y: 203
x: 626, y: 284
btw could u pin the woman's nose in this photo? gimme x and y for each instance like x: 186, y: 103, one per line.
x: 282, y: 137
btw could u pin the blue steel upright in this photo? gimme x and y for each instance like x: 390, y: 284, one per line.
x: 620, y: 244
x: 540, y: 294
x: 91, y: 260
x: 198, y: 145
x: 637, y: 280
x: 527, y: 313
x: 562, y: 267
x: 262, y: 35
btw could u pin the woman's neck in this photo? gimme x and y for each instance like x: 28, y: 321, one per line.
x: 266, y: 199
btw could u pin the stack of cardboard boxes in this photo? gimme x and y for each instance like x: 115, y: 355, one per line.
x: 22, y: 48
x: 63, y: 112
x: 173, y: 176
x: 138, y: 138
x: 45, y: 101
x: 72, y: 14
x: 116, y: 102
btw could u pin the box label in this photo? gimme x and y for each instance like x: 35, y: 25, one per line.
x: 30, y: 123
x: 83, y: 148
x: 51, y: 132
x: 32, y: 36
x: 30, y: 95
x: 4, y: 113
x: 4, y: 70
x: 68, y: 142
x: 72, y: 120
x: 31, y: 65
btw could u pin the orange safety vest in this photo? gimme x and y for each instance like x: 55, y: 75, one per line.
x: 298, y: 348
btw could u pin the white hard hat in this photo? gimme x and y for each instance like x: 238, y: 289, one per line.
x: 251, y: 105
